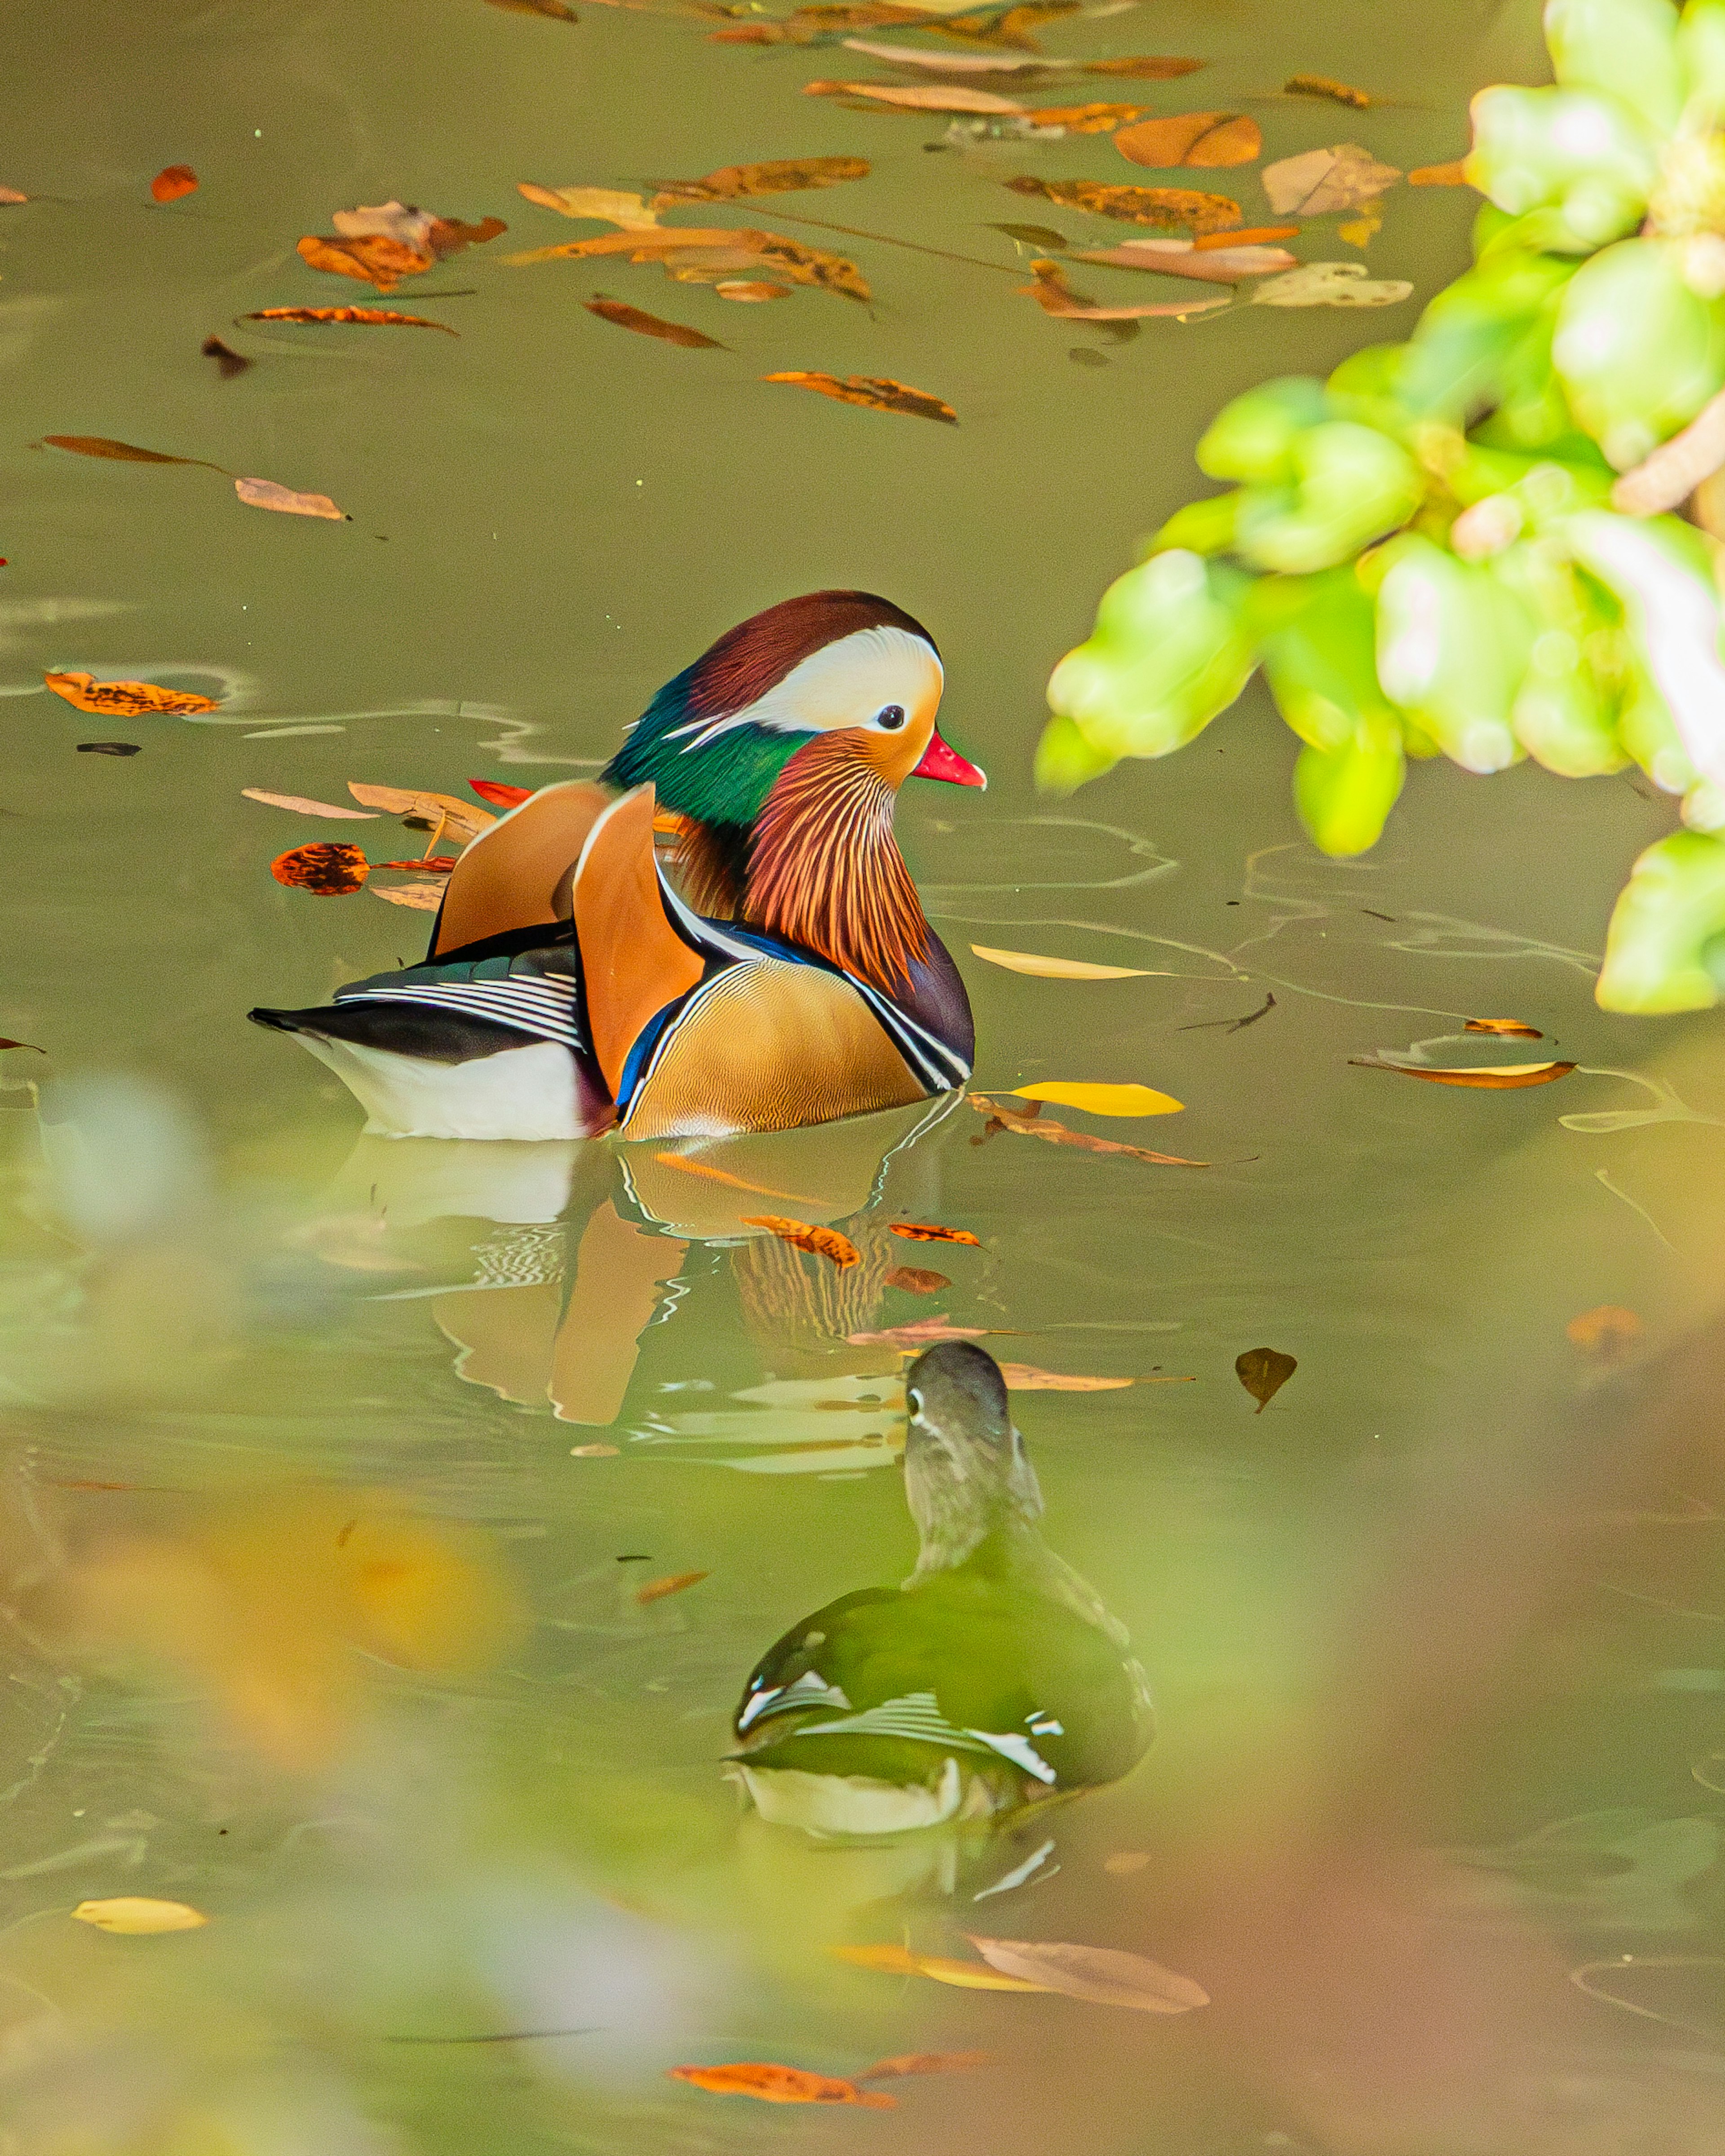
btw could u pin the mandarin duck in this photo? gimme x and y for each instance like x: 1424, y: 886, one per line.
x: 572, y: 987
x: 991, y: 1681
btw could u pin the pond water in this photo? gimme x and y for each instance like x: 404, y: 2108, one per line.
x: 335, y: 1466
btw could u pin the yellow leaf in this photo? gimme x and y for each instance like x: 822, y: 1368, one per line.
x: 605, y: 205
x: 136, y: 1912
x: 1057, y: 969
x: 1102, y: 1100
x: 966, y: 1975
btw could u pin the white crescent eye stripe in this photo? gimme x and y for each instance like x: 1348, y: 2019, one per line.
x: 847, y: 683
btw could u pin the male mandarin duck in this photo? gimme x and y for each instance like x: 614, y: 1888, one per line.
x: 992, y: 1680
x: 570, y: 988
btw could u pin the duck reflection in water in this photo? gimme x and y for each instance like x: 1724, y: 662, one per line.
x: 992, y: 1681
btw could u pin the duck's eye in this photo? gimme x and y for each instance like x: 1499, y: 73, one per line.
x: 891, y: 718
x: 913, y: 1400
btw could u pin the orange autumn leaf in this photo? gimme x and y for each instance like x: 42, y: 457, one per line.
x: 925, y: 1231
x: 324, y: 868
x: 1087, y: 119
x: 1253, y: 235
x: 916, y: 1280
x: 1165, y: 209
x: 172, y: 182
x: 1145, y: 66
x: 1500, y: 1077
x: 374, y: 258
x: 1607, y: 1333
x: 773, y: 2084
x: 673, y: 1583
x: 428, y: 863
x: 375, y: 316
x: 1212, y: 139
x: 821, y: 1242
x: 128, y: 700
x: 626, y: 317
x: 1512, y: 1028
x: 1324, y: 85
x: 876, y: 392
x: 925, y: 2062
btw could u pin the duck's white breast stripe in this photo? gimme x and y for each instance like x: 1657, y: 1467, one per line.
x: 544, y: 1007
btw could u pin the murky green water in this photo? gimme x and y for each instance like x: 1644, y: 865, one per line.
x: 318, y: 1624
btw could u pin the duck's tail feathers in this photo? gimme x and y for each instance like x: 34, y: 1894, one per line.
x: 516, y: 874
x: 633, y: 961
x: 431, y: 1035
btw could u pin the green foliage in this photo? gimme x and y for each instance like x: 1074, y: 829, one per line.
x: 1435, y: 552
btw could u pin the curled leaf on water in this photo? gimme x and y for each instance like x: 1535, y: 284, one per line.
x: 1344, y: 177
x: 1324, y: 85
x: 326, y: 869
x: 371, y: 258
x: 1331, y: 284
x: 1212, y: 139
x: 1085, y: 119
x: 1104, y: 1976
x: 266, y: 494
x: 925, y: 2062
x: 1512, y: 1028
x: 1606, y: 1334
x: 918, y: 97
x: 916, y: 1280
x: 372, y: 317
x: 875, y: 393
x: 302, y: 806
x: 781, y: 176
x: 775, y: 2084
x: 924, y: 1231
x: 1057, y: 969
x: 138, y: 1914
x: 627, y: 317
x: 1167, y: 209
x: 230, y: 362
x: 129, y: 699
x: 818, y: 1242
x: 1491, y: 1077
x: 1054, y: 296
x: 1146, y: 67
x: 1102, y: 1100
x: 1264, y: 1371
x: 456, y: 818
x: 172, y: 182
x: 101, y: 445
x: 673, y: 1583
x: 1026, y: 1377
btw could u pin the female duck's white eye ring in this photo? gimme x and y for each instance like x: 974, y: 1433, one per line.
x: 891, y: 719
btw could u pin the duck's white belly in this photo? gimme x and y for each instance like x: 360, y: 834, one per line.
x: 525, y: 1093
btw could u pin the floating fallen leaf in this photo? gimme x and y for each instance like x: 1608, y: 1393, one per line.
x: 592, y: 1452
x: 1102, y: 1100
x: 1606, y: 1333
x: 301, y: 806
x: 230, y: 362
x: 1056, y: 969
x: 1493, y: 1077
x: 172, y: 182
x: 9, y: 197
x: 748, y: 290
x: 499, y: 794
x: 1053, y: 1133
x: 773, y: 2084
x: 922, y: 1231
x: 608, y: 205
x: 674, y: 1582
x: 627, y: 317
x: 1054, y: 296
x: 725, y: 249
x: 30, y: 1045
x: 1168, y: 209
x: 554, y: 11
x: 1452, y: 175
x: 109, y: 748
x: 137, y: 1913
x: 404, y: 223
x: 1319, y: 180
x: 992, y: 26
x: 1331, y: 284
x: 99, y: 445
x: 370, y: 317
x: 1249, y: 236
x: 1264, y: 1371
x: 1085, y: 119
x: 1323, y: 85
x: 266, y: 494
x: 920, y: 1333
x: 1125, y: 1861
x: 818, y: 1242
x: 916, y: 1280
x: 423, y: 897
x: 129, y: 699
x: 1360, y: 231
x: 925, y: 2062
x: 1512, y: 1028
x: 1042, y: 236
x: 1148, y: 66
x: 1186, y: 257
x: 1104, y: 1976
x: 374, y: 260
x: 456, y: 818
x: 916, y: 97
x: 781, y: 176
x: 875, y: 393
x: 326, y: 869
x: 1210, y: 139
x: 967, y: 1975
x: 1026, y: 1377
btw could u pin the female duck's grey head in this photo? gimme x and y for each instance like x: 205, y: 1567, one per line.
x: 966, y: 1473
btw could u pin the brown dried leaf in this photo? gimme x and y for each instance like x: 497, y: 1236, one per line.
x: 1512, y: 1028
x: 1500, y: 1077
x: 673, y: 1583
x: 374, y: 258
x: 266, y: 494
x: 819, y: 1242
x: 99, y: 445
x: 1210, y: 139
x: 376, y: 317
x: 1054, y: 1132
x: 1264, y: 1371
x: 459, y: 819
x: 1085, y: 119
x: 627, y: 317
x: 918, y: 97
x: 138, y: 1914
x: 875, y: 393
x: 1323, y: 85
x: 109, y: 748
x: 301, y: 806
x: 922, y: 1231
x: 1103, y: 1975
x: 30, y: 1045
x: 783, y: 175
x: 172, y: 182
x: 1148, y: 67
x: 1452, y: 175
x: 449, y: 236
x: 774, y: 2084
x: 926, y: 2062
x: 1054, y: 296
x: 1167, y: 209
x: 1344, y: 177
x: 324, y: 868
x: 230, y: 362
x: 916, y: 1280
x: 128, y: 700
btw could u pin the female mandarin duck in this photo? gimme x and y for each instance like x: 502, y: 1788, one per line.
x: 570, y: 988
x: 992, y: 1680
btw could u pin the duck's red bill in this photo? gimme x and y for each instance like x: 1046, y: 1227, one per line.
x: 941, y: 760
